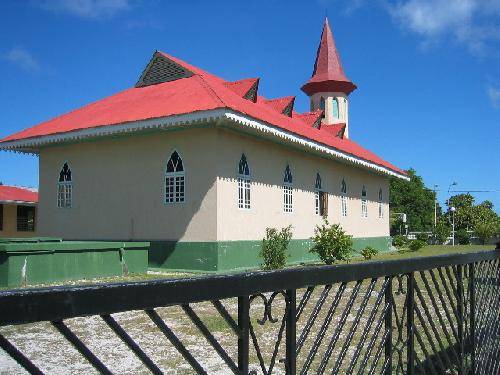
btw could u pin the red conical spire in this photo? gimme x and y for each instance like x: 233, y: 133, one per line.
x: 328, y: 75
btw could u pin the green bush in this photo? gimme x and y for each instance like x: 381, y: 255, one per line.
x: 274, y: 247
x: 424, y: 237
x: 331, y: 243
x: 399, y: 241
x: 441, y: 232
x: 369, y: 252
x: 462, y: 236
x: 484, y: 231
x: 416, y: 245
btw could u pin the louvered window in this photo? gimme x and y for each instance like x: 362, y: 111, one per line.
x: 65, y: 187
x: 162, y: 69
x: 243, y: 184
x: 288, y: 190
x: 343, y: 198
x: 364, y: 204
x: 175, y: 180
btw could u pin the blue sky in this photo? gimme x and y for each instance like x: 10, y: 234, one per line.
x: 428, y: 71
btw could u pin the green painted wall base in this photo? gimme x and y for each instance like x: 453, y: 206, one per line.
x: 236, y: 255
x: 28, y: 263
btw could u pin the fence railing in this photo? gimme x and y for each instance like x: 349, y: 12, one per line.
x: 431, y: 315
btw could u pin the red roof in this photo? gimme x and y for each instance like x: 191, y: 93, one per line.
x: 328, y: 74
x: 201, y: 91
x: 17, y: 194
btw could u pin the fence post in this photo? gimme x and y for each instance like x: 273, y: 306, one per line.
x: 291, y: 332
x: 460, y: 318
x: 410, y: 329
x: 388, y: 326
x: 244, y: 337
x: 472, y: 334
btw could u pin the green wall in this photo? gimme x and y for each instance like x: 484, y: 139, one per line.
x: 32, y: 263
x: 236, y: 255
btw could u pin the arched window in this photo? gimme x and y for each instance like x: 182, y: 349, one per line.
x: 343, y: 198
x: 288, y: 190
x: 175, y: 179
x: 320, y: 198
x: 335, y: 108
x: 380, y: 206
x: 322, y: 106
x: 243, y: 183
x: 65, y: 187
x: 364, y: 206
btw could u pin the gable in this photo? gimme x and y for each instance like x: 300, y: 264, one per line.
x: 161, y: 69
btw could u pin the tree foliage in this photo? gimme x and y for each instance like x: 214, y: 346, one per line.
x: 331, y: 243
x: 274, y: 247
x: 414, y: 199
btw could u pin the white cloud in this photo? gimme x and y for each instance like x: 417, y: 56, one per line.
x: 22, y: 58
x: 94, y: 9
x: 471, y: 22
x: 494, y: 95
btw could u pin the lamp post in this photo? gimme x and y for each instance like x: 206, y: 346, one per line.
x: 435, y: 205
x: 453, y: 225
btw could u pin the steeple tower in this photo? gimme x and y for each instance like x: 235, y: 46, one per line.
x: 329, y: 87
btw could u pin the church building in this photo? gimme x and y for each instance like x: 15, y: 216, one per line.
x: 201, y: 166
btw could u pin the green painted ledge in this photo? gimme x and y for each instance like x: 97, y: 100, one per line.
x: 226, y: 256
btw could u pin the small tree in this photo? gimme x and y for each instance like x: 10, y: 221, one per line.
x: 399, y: 241
x: 485, y: 230
x: 331, y: 243
x: 424, y: 237
x: 441, y: 232
x: 274, y: 247
x: 462, y: 236
x: 369, y: 252
x: 416, y: 245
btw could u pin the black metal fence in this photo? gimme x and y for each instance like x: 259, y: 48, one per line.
x: 430, y: 315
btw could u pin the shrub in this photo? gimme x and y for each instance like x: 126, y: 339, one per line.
x: 274, y: 247
x: 416, y: 245
x: 484, y: 231
x: 424, y: 237
x: 331, y: 243
x: 462, y: 236
x: 441, y: 232
x: 399, y: 241
x: 369, y: 252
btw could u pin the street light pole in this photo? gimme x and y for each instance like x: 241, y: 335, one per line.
x: 453, y: 226
x: 435, y: 206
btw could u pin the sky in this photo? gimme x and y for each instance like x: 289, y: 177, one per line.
x: 427, y: 71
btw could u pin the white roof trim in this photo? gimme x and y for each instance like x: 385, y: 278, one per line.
x: 31, y: 145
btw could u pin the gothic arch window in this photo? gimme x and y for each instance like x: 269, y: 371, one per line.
x: 65, y: 187
x: 322, y: 106
x: 343, y: 198
x: 364, y: 203
x: 320, y: 198
x: 243, y: 183
x: 288, y: 190
x: 380, y: 206
x: 175, y: 179
x: 336, y: 113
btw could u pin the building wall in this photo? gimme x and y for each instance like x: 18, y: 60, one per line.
x: 10, y: 223
x: 267, y: 164
x: 118, y: 188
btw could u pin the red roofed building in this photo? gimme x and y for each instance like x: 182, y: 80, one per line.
x: 17, y: 211
x: 201, y: 166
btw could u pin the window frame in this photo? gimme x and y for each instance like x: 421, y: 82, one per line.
x: 336, y: 106
x: 174, y: 175
x: 380, y: 205
x: 65, y: 189
x: 364, y: 203
x: 343, y: 199
x: 288, y: 190
x: 244, y: 183
x: 26, y: 226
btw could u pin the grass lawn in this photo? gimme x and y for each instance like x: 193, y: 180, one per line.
x: 432, y: 250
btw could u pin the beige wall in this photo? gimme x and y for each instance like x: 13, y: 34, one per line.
x: 118, y: 189
x: 10, y: 223
x: 343, y: 108
x: 267, y: 164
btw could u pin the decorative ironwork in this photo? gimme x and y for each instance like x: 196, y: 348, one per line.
x: 429, y: 315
